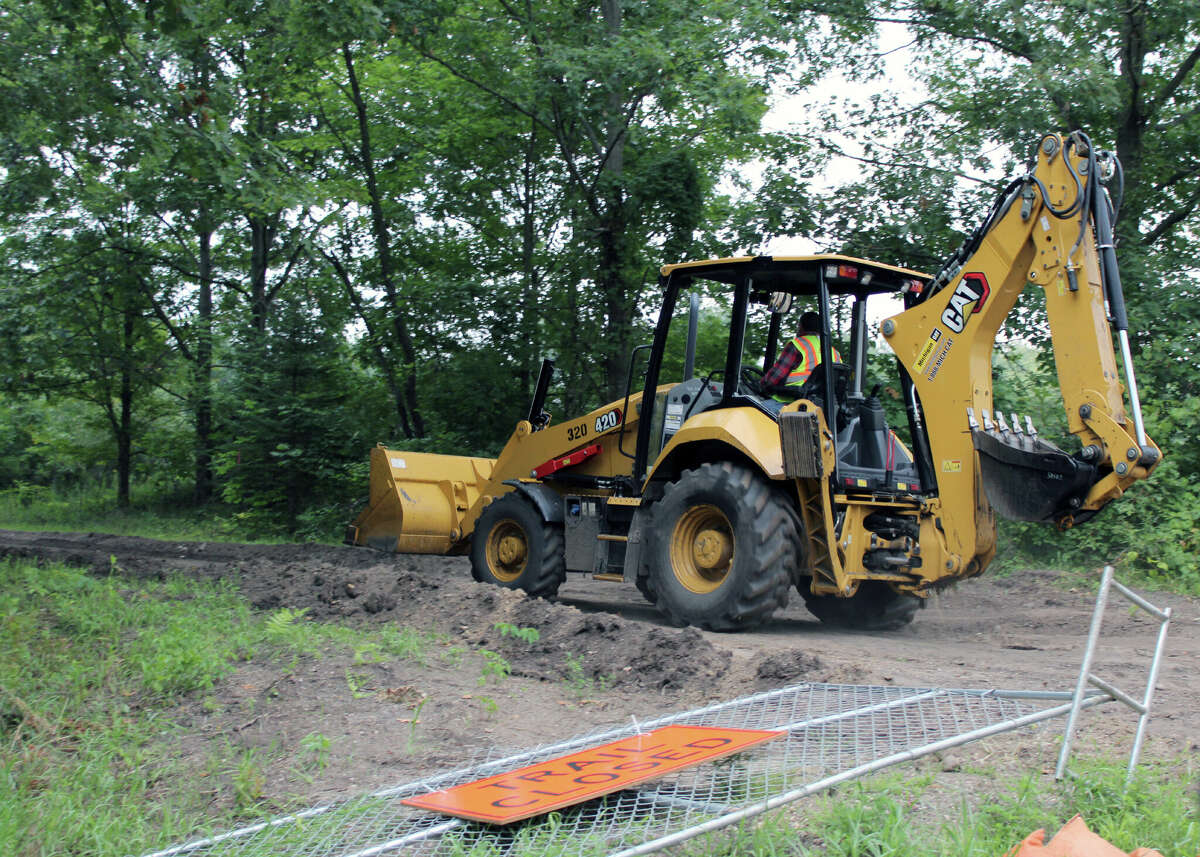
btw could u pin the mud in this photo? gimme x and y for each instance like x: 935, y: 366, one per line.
x: 601, y: 656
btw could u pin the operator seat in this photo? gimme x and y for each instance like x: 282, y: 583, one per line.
x: 814, y: 388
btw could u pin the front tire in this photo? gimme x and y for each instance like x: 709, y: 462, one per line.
x: 513, y: 547
x: 722, y: 548
x: 875, y: 607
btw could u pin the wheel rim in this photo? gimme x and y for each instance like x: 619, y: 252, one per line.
x: 507, y: 551
x: 702, y: 549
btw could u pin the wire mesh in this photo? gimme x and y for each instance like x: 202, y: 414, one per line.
x: 832, y: 729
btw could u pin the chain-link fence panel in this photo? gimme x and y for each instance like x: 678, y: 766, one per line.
x: 834, y: 733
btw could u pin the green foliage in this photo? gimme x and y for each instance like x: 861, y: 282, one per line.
x: 361, y: 684
x: 295, y: 435
x: 314, y: 751
x: 94, y: 662
x: 518, y: 632
x: 880, y: 817
x: 872, y: 820
x: 284, y: 626
x: 997, y: 75
x: 164, y: 651
x: 248, y: 779
x: 92, y: 507
x: 578, y: 679
x: 94, y: 668
x: 1151, y: 533
x: 495, y: 667
x: 240, y: 250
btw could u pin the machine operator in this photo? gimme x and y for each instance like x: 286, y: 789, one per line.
x: 797, y: 360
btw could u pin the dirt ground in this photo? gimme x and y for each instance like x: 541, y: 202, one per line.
x: 604, y: 655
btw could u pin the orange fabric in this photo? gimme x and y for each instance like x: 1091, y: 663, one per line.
x: 1073, y: 840
x: 1031, y: 845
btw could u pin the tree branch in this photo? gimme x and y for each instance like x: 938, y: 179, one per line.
x: 902, y: 164
x: 1172, y: 86
x: 1173, y: 219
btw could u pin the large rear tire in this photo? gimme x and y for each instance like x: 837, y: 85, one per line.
x: 646, y: 587
x: 722, y: 546
x: 513, y: 547
x: 875, y: 607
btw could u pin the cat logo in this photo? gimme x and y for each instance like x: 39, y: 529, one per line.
x: 973, y: 288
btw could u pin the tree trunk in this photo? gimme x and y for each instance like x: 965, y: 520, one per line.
x: 617, y: 305
x: 262, y: 235
x: 380, y: 231
x: 573, y: 392
x: 1132, y: 126
x: 202, y: 387
x: 125, y: 424
x: 529, y: 271
x: 620, y: 296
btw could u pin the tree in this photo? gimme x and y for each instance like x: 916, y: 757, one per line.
x: 997, y: 74
x: 294, y: 426
x: 79, y: 327
x: 646, y: 106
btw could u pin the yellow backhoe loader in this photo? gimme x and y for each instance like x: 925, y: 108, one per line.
x: 715, y: 499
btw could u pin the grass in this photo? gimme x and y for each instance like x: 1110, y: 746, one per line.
x: 880, y: 818
x: 152, y: 514
x: 93, y: 667
x: 89, y: 761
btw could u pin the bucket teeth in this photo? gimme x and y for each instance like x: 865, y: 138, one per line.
x: 1027, y: 478
x: 971, y: 421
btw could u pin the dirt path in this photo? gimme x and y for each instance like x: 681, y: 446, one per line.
x: 603, y: 655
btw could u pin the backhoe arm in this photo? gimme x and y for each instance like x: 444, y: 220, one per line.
x: 1051, y: 228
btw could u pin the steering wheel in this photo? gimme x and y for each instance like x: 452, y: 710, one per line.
x: 751, y: 378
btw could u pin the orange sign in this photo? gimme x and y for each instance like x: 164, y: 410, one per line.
x: 587, y: 774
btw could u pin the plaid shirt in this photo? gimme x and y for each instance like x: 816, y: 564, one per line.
x: 793, y: 358
x: 777, y: 375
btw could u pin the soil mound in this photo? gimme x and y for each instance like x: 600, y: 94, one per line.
x: 789, y: 666
x: 431, y: 593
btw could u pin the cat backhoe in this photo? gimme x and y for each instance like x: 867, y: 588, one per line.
x: 716, y: 499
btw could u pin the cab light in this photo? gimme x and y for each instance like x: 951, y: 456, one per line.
x: 841, y: 272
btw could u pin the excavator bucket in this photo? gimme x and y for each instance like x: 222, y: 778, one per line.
x: 419, y: 502
x: 1027, y: 478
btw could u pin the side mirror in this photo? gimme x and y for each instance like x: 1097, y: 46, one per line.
x: 780, y: 302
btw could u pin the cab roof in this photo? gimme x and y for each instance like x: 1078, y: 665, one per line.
x: 798, y: 274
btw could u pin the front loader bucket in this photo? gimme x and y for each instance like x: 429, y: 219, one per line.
x: 1029, y: 479
x: 419, y: 502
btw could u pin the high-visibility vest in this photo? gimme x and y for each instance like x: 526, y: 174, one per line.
x: 809, y: 346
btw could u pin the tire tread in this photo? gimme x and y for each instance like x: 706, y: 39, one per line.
x: 774, y: 547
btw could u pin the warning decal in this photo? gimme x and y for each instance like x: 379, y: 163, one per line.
x: 581, y: 776
x: 927, y: 350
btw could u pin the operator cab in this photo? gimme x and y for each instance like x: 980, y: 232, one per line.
x: 765, y: 297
